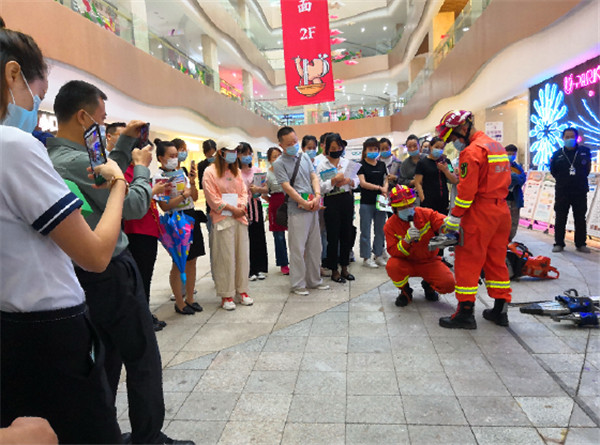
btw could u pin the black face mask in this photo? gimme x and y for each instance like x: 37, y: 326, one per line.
x: 336, y: 154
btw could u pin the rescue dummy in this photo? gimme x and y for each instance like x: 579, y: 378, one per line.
x: 482, y: 212
x: 407, y: 236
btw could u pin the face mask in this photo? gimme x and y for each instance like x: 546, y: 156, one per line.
x: 293, y: 150
x: 182, y: 156
x: 512, y: 158
x: 459, y: 145
x: 19, y: 117
x: 437, y: 152
x: 171, y: 164
x: 386, y: 154
x: 230, y: 158
x: 405, y: 214
x: 311, y: 153
x: 413, y: 153
x: 372, y: 155
x: 246, y: 159
x: 336, y: 154
x: 211, y: 159
x: 570, y: 143
x: 425, y: 151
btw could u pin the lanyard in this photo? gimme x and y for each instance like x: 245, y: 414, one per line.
x: 571, y: 168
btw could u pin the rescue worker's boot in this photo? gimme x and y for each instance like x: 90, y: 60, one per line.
x: 430, y: 294
x: 462, y: 319
x: 405, y: 296
x: 499, y: 313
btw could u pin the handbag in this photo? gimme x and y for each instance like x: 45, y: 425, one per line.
x: 281, y: 215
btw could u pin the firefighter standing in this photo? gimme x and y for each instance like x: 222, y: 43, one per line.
x: 407, y: 236
x: 481, y: 211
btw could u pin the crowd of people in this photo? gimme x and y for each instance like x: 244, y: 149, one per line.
x: 66, y: 334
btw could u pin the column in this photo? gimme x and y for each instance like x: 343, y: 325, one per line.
x: 139, y: 18
x: 248, y: 89
x: 210, y: 57
x: 242, y: 9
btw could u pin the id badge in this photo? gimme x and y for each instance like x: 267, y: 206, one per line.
x: 572, y: 171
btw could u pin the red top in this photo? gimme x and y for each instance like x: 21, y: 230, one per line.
x: 148, y: 224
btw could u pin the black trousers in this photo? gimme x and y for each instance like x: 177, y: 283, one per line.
x: 258, y: 244
x: 144, y: 248
x: 120, y: 313
x: 338, y: 221
x: 52, y: 367
x: 562, y: 201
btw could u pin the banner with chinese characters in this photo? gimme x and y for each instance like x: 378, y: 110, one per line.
x: 307, y: 52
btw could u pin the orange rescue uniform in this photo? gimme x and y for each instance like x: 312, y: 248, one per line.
x: 415, y: 259
x: 485, y: 219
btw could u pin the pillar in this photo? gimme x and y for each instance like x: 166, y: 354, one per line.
x: 248, y: 89
x: 211, y: 60
x: 139, y: 18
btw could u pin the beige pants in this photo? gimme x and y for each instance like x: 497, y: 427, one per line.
x: 304, y: 243
x: 230, y: 257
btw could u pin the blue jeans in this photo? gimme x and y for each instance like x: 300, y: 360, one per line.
x: 369, y: 214
x: 281, y: 255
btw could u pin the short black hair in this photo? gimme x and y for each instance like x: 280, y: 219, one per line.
x: 74, y: 96
x: 112, y: 128
x: 272, y: 150
x: 386, y: 140
x: 511, y: 148
x: 178, y: 143
x: 410, y: 138
x: 244, y: 147
x: 208, y: 145
x: 284, y: 131
x: 330, y: 139
x: 161, y: 146
x: 323, y: 137
x: 370, y: 142
x: 573, y: 129
x: 306, y: 139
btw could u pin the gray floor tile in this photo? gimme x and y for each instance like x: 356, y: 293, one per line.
x: 367, y: 329
x: 368, y: 344
x: 416, y: 345
x: 493, y: 411
x: 367, y: 361
x: 550, y: 344
x: 507, y: 436
x: 376, y: 434
x: 372, y: 383
x: 262, y: 407
x: 460, y: 363
x: 458, y: 345
x: 252, y: 432
x: 433, y: 410
x: 200, y: 432
x: 553, y: 435
x: 207, y: 406
x: 274, y: 382
x: 173, y: 402
x: 563, y: 362
x: 440, y: 434
x: 411, y: 362
x: 285, y: 344
x: 234, y: 360
x: 366, y: 317
x: 514, y: 363
x: 323, y: 361
x: 310, y: 408
x: 330, y: 318
x: 255, y: 345
x: 318, y: 382
x: 531, y: 384
x: 580, y: 419
x: 222, y: 380
x: 477, y: 383
x: 278, y: 361
x: 198, y: 363
x: 417, y: 383
x: 583, y: 436
x: 327, y: 344
x: 313, y: 433
x: 300, y: 329
x: 180, y: 380
x: 375, y: 409
x: 547, y: 411
x: 329, y: 329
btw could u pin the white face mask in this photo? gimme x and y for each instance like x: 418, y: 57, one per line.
x: 171, y: 164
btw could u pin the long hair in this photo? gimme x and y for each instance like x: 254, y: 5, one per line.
x: 221, y: 165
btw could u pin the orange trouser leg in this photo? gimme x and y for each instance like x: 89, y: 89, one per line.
x: 399, y: 270
x: 496, y: 272
x: 438, y: 275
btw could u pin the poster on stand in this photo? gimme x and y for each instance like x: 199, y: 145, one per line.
x: 531, y: 192
x: 544, y: 209
x: 593, y: 180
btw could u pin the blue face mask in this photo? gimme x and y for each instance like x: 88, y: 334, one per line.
x: 230, y: 158
x: 512, y: 158
x: 405, y: 214
x: 211, y: 159
x: 311, y: 153
x: 459, y: 145
x: 19, y: 117
x: 413, y: 153
x: 293, y: 150
x: 372, y: 155
x: 386, y: 154
x: 570, y: 143
x: 436, y: 152
x: 246, y: 159
x: 182, y: 156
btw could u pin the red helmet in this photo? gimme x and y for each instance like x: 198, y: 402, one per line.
x: 401, y: 196
x: 450, y: 121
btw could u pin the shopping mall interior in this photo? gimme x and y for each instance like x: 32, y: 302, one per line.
x: 346, y: 365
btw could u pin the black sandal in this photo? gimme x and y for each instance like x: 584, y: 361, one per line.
x: 348, y: 277
x: 335, y: 276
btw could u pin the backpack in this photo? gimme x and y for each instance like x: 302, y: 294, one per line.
x: 521, y: 262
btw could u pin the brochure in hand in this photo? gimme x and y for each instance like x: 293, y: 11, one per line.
x: 326, y: 175
x: 383, y: 204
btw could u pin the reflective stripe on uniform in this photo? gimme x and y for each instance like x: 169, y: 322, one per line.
x: 425, y: 228
x: 466, y: 290
x: 462, y: 203
x: 402, y: 249
x: 497, y: 284
x: 400, y: 284
x: 497, y: 158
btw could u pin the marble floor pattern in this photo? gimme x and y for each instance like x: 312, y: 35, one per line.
x: 347, y: 366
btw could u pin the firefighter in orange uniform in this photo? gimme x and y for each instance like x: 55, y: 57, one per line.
x: 481, y: 211
x: 407, y: 235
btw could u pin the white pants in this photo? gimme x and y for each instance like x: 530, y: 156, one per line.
x: 304, y: 242
x: 230, y: 257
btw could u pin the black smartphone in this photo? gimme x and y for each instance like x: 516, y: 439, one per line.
x: 96, y: 150
x: 144, y: 138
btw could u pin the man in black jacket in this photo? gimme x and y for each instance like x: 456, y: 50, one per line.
x: 570, y: 166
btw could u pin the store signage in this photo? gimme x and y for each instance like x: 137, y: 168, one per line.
x: 582, y: 80
x: 307, y: 52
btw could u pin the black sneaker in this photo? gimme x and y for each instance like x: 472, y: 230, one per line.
x: 404, y: 297
x: 164, y: 439
x: 430, y: 294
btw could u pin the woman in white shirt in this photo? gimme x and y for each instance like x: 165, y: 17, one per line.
x: 336, y: 186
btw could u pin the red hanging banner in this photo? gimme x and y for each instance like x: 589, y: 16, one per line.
x: 307, y: 52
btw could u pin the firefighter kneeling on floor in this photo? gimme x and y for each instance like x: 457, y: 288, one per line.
x: 481, y: 211
x: 407, y: 235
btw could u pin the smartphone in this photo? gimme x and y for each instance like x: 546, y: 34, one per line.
x: 192, y: 164
x: 96, y: 150
x: 143, y: 140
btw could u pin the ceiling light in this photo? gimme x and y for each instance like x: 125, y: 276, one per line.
x: 200, y: 48
x: 279, y: 42
x: 234, y: 74
x: 159, y: 45
x: 362, y: 29
x: 385, y: 28
x: 465, y: 29
x: 177, y: 45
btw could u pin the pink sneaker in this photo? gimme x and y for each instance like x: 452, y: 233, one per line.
x: 285, y: 270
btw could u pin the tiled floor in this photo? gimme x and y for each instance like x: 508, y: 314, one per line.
x: 348, y: 366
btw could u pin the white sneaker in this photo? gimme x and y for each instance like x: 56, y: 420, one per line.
x: 323, y: 287
x: 380, y: 261
x: 244, y: 299
x: 261, y: 276
x: 300, y: 291
x: 368, y: 262
x: 253, y: 278
x: 385, y: 255
x: 227, y: 304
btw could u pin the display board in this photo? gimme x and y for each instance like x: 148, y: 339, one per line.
x: 544, y: 209
x: 531, y: 192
